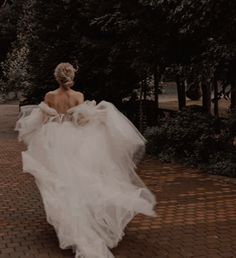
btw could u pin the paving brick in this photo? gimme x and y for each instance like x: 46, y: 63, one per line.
x: 196, y: 212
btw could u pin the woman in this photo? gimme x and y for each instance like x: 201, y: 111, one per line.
x: 83, y: 158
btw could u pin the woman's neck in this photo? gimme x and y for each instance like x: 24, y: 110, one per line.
x: 62, y: 88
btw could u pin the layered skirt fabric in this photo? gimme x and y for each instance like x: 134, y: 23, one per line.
x: 84, y: 165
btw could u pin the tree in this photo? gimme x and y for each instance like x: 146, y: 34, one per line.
x: 209, y: 26
x: 15, y: 68
x: 9, y: 14
x: 119, y: 44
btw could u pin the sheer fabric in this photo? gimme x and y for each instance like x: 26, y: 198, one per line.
x: 84, y: 165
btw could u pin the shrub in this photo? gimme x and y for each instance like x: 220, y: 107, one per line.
x: 195, y: 139
x: 15, y: 70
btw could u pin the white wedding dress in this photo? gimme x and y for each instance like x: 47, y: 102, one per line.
x: 84, y: 165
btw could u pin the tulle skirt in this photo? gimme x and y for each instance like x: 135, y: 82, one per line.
x: 84, y: 180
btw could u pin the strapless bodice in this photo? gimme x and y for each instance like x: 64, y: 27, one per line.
x: 73, y: 114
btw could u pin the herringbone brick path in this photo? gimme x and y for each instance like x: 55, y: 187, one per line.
x: 196, y: 213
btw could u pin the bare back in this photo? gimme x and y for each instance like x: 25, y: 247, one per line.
x: 62, y: 100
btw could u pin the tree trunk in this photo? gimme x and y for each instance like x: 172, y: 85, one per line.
x: 156, y: 86
x: 145, y: 90
x: 206, y: 96
x: 233, y: 95
x: 216, y: 103
x: 144, y: 104
x: 156, y: 75
x: 181, y: 92
x: 141, y: 108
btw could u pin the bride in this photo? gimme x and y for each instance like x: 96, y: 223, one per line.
x: 83, y: 157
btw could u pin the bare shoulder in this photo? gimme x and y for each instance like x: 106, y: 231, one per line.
x: 49, y: 96
x: 79, y: 96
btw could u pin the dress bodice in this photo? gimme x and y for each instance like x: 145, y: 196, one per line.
x: 52, y: 115
x: 74, y: 114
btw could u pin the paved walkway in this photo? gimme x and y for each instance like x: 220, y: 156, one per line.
x: 196, y: 213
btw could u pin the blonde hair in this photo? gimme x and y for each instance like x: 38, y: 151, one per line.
x: 64, y: 74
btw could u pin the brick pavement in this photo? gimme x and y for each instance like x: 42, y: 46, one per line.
x: 196, y: 213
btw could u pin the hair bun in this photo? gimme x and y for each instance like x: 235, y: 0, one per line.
x: 64, y: 74
x: 68, y: 84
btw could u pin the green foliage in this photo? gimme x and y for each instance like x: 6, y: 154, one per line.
x: 195, y: 139
x: 118, y: 44
x: 15, y: 70
x: 95, y: 37
x: 9, y: 16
